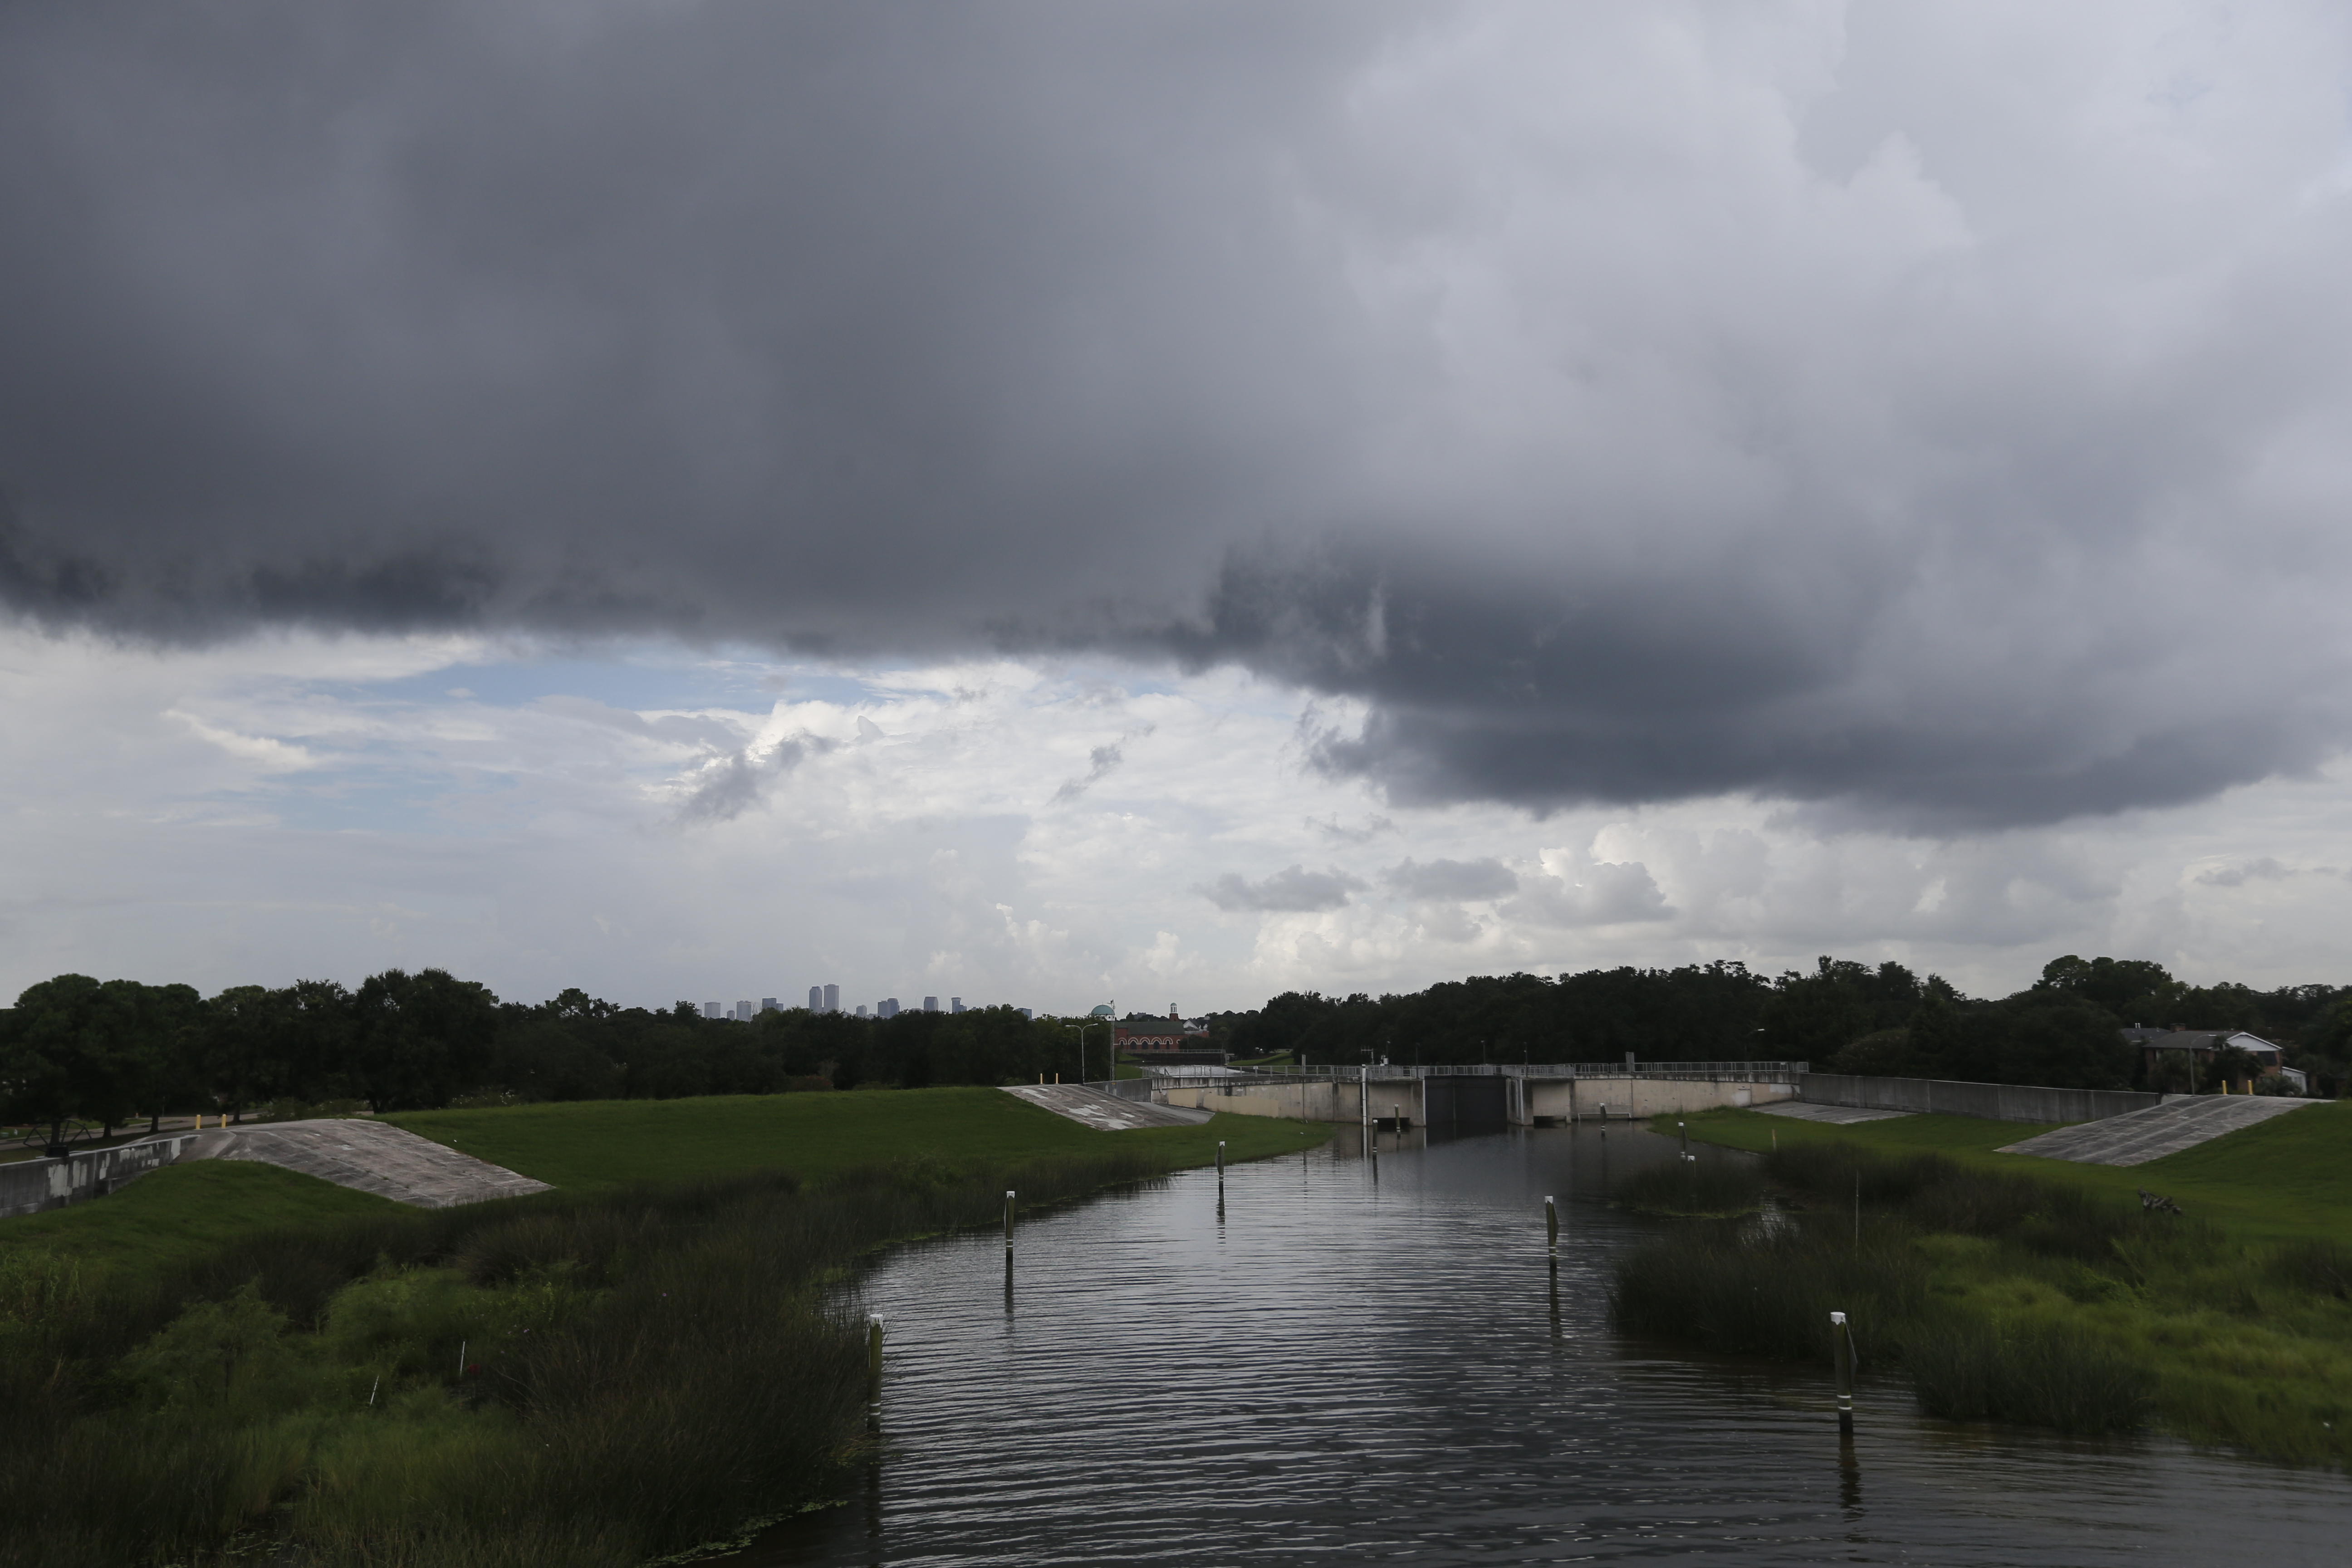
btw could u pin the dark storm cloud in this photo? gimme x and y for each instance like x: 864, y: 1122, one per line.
x: 1618, y: 406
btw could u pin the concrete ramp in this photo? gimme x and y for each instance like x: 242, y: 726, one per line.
x: 2160, y: 1129
x: 372, y: 1157
x: 1104, y: 1112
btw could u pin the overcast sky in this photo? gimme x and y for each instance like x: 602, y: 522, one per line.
x: 1054, y: 502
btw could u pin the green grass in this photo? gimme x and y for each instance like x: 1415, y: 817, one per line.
x: 568, y: 1380
x: 182, y: 1211
x: 2233, y: 1321
x: 2283, y: 1180
x: 656, y: 1352
x: 612, y: 1142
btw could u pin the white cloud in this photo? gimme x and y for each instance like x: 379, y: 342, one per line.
x: 538, y: 835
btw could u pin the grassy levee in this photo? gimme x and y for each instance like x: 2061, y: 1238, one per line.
x: 164, y: 1220
x: 593, y: 1143
x: 2287, y: 1179
x: 592, y: 1377
x: 2038, y: 1290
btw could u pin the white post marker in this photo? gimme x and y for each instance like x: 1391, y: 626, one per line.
x: 1841, y: 1336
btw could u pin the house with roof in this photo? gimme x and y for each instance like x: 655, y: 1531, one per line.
x: 1169, y: 1041
x: 2198, y: 1046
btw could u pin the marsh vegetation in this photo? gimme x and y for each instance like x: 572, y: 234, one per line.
x: 2005, y: 1297
x: 557, y: 1380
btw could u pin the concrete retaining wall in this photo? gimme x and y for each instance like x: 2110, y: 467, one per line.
x: 1527, y: 1099
x: 1994, y: 1101
x: 1578, y: 1099
x: 1326, y: 1101
x: 28, y: 1186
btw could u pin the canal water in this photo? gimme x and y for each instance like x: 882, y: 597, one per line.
x: 1367, y: 1361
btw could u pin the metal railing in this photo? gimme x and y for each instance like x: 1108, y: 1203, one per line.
x: 1736, y: 1072
x: 1718, y: 1072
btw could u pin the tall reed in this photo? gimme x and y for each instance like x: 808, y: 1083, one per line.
x: 642, y: 1371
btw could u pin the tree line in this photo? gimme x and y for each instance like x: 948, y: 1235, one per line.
x: 1841, y: 1016
x: 113, y: 1053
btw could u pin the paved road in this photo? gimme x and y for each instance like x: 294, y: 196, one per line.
x: 371, y: 1156
x: 1104, y: 1112
x: 2140, y: 1136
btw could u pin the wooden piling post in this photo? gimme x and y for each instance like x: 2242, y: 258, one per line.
x: 1683, y: 1128
x: 1221, y: 1162
x: 1008, y: 1221
x: 1551, y: 1225
x: 1842, y: 1341
x: 873, y: 1357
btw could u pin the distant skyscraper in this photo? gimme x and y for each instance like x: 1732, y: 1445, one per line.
x: 1027, y: 1013
x: 888, y: 1009
x: 931, y: 1003
x: 816, y: 998
x: 861, y: 1009
x: 743, y: 1011
x: 770, y: 1005
x: 955, y: 1003
x: 713, y: 1010
x: 833, y: 998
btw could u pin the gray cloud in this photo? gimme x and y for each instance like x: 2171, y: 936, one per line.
x: 1454, y: 879
x: 2263, y: 868
x: 1596, y: 893
x: 1292, y: 890
x: 1101, y: 761
x: 1837, y: 424
x: 730, y: 784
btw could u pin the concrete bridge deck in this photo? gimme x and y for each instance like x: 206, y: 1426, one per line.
x: 2143, y: 1135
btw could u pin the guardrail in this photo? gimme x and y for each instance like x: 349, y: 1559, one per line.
x: 1737, y: 1072
x: 1718, y: 1072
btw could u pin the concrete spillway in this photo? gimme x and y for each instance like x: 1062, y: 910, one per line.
x: 372, y: 1157
x: 1104, y: 1113
x: 2158, y: 1131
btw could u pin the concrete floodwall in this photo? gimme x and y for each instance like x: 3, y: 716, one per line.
x: 1993, y: 1101
x: 1525, y: 1099
x: 1324, y: 1099
x: 29, y: 1186
x: 1588, y: 1099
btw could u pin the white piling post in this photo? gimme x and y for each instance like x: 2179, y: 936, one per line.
x: 1841, y: 1336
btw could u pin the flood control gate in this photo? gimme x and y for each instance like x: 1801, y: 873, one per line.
x: 1467, y: 1104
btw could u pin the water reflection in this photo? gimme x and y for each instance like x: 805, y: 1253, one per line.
x: 1316, y: 1364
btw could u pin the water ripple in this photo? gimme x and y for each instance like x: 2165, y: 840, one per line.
x: 1328, y: 1368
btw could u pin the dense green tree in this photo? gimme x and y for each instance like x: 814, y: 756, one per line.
x: 419, y: 1040
x: 2135, y: 990
x: 75, y: 1048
